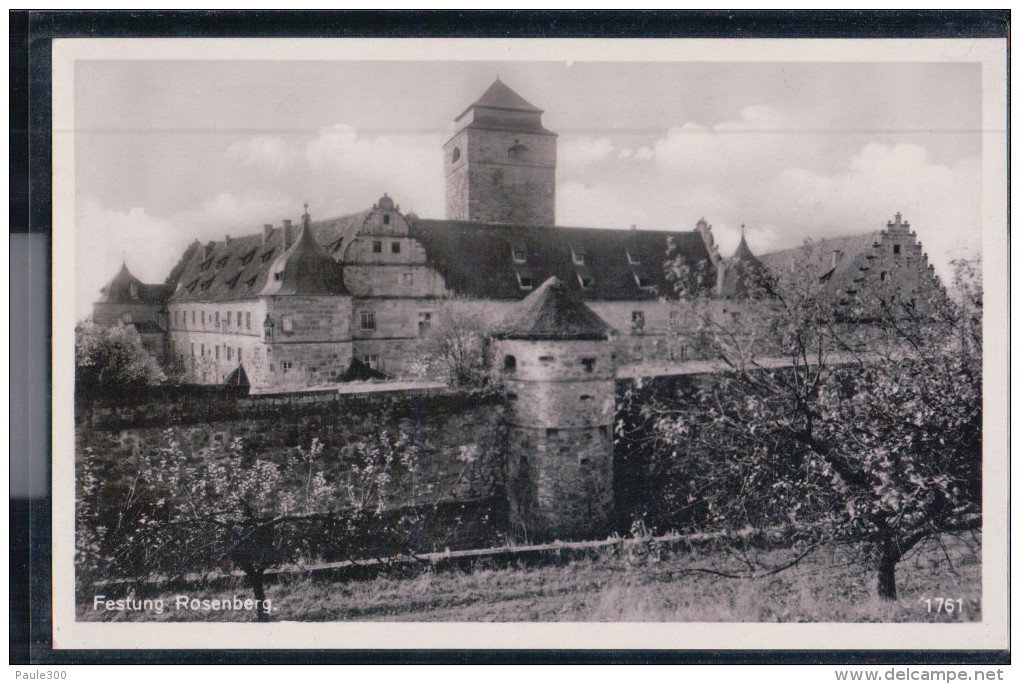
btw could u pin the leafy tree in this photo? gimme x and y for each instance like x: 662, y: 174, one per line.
x: 859, y: 416
x: 451, y: 345
x: 175, y: 514
x: 110, y: 359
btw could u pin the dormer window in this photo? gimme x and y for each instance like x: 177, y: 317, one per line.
x: 267, y: 256
x: 641, y: 281
x: 525, y: 282
x: 251, y: 281
x: 207, y: 284
x: 206, y: 264
x: 520, y: 255
x: 587, y: 282
x: 246, y: 258
x: 191, y: 288
x: 223, y: 261
x: 632, y: 259
x: 577, y: 256
x: 233, y: 281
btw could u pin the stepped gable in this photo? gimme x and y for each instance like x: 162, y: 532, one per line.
x: 552, y: 313
x: 483, y: 261
x: 305, y: 269
x: 125, y: 287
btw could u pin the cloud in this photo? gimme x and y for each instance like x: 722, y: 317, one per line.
x: 270, y: 153
x: 584, y: 151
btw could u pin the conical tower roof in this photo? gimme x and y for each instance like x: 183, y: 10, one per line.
x: 125, y: 287
x: 552, y: 313
x: 305, y: 268
x: 501, y: 96
x: 743, y: 253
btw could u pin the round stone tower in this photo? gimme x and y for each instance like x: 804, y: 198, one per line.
x: 555, y: 357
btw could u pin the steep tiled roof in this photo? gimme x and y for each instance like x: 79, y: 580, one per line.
x: 739, y: 271
x: 239, y: 269
x: 815, y: 257
x: 305, y: 269
x: 500, y: 96
x: 493, y: 261
x: 552, y: 312
x: 125, y: 287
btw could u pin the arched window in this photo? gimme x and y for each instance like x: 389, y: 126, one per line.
x: 519, y: 152
x: 455, y: 156
x: 509, y: 364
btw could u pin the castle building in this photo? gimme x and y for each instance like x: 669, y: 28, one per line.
x: 557, y: 362
x: 127, y: 300
x: 295, y: 307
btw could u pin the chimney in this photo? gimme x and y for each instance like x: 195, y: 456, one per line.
x: 267, y: 230
x: 633, y: 226
x: 288, y: 238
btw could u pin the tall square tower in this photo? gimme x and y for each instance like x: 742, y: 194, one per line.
x: 500, y: 163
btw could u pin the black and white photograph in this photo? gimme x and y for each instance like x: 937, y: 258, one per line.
x: 502, y: 342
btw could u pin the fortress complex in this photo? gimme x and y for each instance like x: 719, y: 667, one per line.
x: 311, y: 304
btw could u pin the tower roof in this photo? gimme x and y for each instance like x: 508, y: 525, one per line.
x: 501, y: 96
x: 743, y: 253
x: 125, y: 287
x: 552, y: 313
x: 305, y: 268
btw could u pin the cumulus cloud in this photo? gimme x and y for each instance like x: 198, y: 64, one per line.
x: 584, y: 151
x: 270, y: 153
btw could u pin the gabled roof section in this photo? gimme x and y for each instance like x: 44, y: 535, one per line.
x: 477, y: 260
x: 501, y: 96
x: 125, y: 287
x: 305, y: 269
x: 249, y: 266
x: 836, y: 261
x: 552, y: 313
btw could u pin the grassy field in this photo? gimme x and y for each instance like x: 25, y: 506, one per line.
x: 827, y: 586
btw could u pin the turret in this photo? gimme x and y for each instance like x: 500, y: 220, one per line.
x: 555, y: 357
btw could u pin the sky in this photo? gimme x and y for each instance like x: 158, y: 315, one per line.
x: 167, y: 152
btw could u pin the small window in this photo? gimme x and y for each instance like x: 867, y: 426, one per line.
x: 632, y: 259
x: 126, y: 318
x: 288, y: 323
x: 238, y: 319
x: 203, y: 318
x: 519, y: 151
x: 588, y: 364
x: 217, y: 351
x: 509, y: 364
x: 217, y: 318
x: 586, y: 283
x: 192, y: 349
x: 278, y: 275
x: 520, y: 255
x: 203, y: 350
x: 247, y: 319
x: 377, y: 246
x: 229, y: 353
x: 525, y: 282
x: 455, y: 156
x: 371, y: 360
x: 395, y: 248
x: 637, y: 320
x: 228, y: 319
x: 239, y: 355
x: 882, y: 276
x: 424, y: 322
x: 408, y: 279
x: 272, y: 367
x: 585, y: 397
x: 641, y: 281
x: 583, y: 460
x: 386, y: 219
x: 193, y: 316
x: 546, y: 359
x: 367, y: 320
x: 267, y: 256
x: 286, y: 365
x: 895, y: 249
x: 551, y: 432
